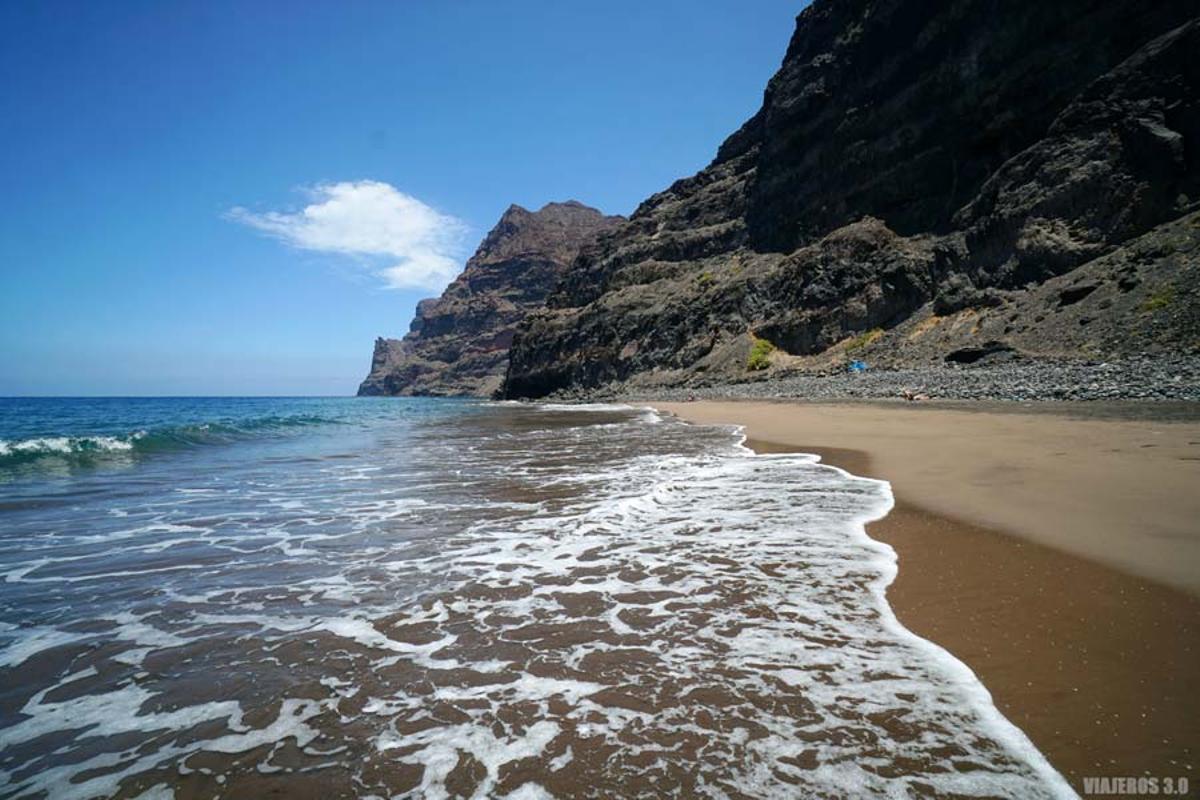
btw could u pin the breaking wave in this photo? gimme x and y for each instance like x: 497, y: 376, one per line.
x: 91, y: 448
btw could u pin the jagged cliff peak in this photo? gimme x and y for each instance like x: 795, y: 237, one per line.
x: 555, y: 230
x: 457, y: 344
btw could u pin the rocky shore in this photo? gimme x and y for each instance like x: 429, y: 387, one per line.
x: 1143, y: 379
x: 923, y: 182
x: 976, y: 209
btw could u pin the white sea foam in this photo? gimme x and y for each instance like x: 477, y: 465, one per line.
x: 690, y: 522
x: 67, y: 445
x: 32, y: 641
x: 616, y: 583
x: 529, y: 791
x: 438, y: 751
x: 106, y: 714
x: 117, y: 712
x: 582, y: 407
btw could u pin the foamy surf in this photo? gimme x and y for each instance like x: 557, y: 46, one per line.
x: 504, y: 601
x: 67, y: 445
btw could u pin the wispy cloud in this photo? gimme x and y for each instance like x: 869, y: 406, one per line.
x: 405, y: 242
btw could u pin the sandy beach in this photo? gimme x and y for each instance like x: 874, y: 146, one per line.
x: 1055, y: 551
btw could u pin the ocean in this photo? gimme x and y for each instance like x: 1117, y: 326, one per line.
x: 383, y: 597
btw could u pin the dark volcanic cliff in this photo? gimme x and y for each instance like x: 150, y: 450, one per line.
x: 925, y: 173
x: 458, y: 344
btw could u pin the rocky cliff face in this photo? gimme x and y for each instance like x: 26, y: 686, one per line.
x: 458, y: 344
x: 915, y: 166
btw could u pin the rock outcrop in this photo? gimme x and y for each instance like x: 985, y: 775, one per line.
x: 918, y: 171
x: 458, y: 343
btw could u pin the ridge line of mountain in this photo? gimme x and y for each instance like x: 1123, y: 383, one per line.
x: 922, y: 180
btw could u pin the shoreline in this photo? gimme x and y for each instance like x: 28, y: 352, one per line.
x: 1094, y: 661
x: 1108, y: 483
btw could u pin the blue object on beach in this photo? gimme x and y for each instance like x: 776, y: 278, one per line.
x: 857, y: 366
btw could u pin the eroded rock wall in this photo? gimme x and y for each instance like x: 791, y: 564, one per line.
x: 909, y: 156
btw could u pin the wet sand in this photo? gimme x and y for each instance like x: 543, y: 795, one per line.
x: 1054, y: 553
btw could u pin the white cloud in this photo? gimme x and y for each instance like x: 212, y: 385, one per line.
x: 405, y: 242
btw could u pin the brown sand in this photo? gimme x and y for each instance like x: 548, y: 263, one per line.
x: 1085, y: 623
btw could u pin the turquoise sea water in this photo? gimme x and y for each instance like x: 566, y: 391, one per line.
x: 205, y: 597
x: 64, y: 435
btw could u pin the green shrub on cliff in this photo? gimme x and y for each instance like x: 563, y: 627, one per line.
x: 863, y: 340
x: 1160, y: 299
x: 760, y: 355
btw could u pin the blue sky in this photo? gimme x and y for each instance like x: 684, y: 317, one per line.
x: 237, y: 197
